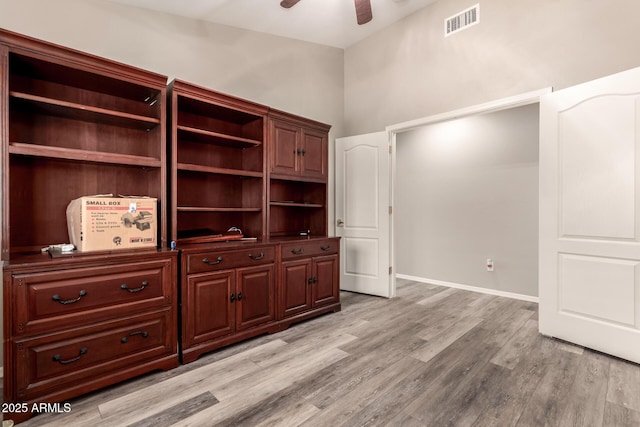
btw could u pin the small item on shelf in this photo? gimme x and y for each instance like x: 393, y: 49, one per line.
x: 206, y: 235
x: 305, y: 233
x: 60, y: 248
x: 233, y: 231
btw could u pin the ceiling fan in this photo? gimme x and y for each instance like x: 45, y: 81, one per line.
x: 363, y: 9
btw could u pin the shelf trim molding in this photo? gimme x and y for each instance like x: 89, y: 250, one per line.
x: 219, y: 135
x: 61, y: 153
x: 209, y: 209
x: 64, y: 106
x: 222, y: 171
x: 296, y: 204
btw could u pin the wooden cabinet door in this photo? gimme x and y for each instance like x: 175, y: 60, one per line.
x: 325, y: 280
x: 296, y: 290
x: 207, y: 307
x: 285, y: 148
x: 314, y: 154
x: 255, y: 303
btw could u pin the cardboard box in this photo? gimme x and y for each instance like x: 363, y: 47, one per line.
x: 98, y: 223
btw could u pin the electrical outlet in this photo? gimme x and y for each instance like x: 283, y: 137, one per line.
x: 490, y: 264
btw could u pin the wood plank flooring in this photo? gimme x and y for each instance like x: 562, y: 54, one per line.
x: 433, y: 356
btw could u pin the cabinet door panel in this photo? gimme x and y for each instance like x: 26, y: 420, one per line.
x: 314, y: 159
x: 325, y: 289
x: 256, y: 290
x: 207, y: 308
x: 296, y: 292
x: 285, y: 141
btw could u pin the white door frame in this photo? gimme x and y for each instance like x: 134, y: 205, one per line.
x: 393, y: 130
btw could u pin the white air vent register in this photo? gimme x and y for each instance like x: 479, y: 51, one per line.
x: 462, y: 20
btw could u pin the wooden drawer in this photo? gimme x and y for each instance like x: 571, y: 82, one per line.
x: 54, y: 300
x: 55, y: 361
x: 309, y: 248
x: 224, y: 259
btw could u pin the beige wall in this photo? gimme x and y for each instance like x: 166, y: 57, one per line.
x: 410, y: 70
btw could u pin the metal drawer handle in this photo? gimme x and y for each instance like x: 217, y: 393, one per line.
x: 143, y: 333
x: 56, y: 297
x: 233, y: 297
x: 257, y: 258
x: 325, y: 248
x: 217, y: 261
x: 126, y: 288
x: 298, y: 251
x: 58, y: 358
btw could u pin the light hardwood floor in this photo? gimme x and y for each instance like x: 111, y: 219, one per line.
x: 432, y: 356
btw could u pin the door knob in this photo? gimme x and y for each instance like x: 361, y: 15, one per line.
x: 340, y: 223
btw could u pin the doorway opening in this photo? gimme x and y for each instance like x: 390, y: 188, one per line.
x: 465, y: 194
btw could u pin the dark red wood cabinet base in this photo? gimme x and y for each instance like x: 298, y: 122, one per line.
x: 248, y: 289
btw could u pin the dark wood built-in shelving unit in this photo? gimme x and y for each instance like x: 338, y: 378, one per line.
x: 242, y: 197
x: 297, y: 189
x: 74, y: 125
x: 218, y: 156
x: 224, y: 175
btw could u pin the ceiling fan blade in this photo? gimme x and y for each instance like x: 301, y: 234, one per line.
x: 288, y: 3
x: 363, y: 11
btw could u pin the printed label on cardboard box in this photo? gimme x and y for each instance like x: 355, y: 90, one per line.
x: 104, y: 223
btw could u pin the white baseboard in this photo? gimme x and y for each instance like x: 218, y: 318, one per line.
x: 470, y: 288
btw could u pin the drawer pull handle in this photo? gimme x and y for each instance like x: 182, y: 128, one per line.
x: 312, y: 280
x: 56, y: 297
x: 257, y: 258
x: 239, y: 296
x: 217, y: 261
x: 143, y: 333
x: 297, y: 251
x: 325, y: 248
x: 126, y: 288
x: 58, y: 358
x: 233, y: 297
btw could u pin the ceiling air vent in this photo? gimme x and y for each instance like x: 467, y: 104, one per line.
x: 462, y: 20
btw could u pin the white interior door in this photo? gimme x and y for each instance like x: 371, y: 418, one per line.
x: 362, y: 213
x: 590, y: 215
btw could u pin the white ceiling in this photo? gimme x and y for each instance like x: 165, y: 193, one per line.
x: 328, y: 22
